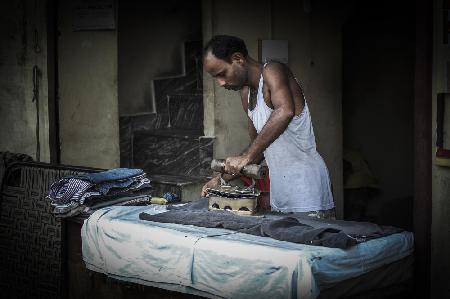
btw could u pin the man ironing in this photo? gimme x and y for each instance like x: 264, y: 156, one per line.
x: 279, y: 125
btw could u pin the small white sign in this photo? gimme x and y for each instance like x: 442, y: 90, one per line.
x: 274, y: 50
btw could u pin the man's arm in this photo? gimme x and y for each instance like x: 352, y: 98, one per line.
x: 253, y: 134
x: 284, y: 109
x: 251, y: 128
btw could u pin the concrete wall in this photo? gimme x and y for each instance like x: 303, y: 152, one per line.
x: 250, y: 23
x: 89, y: 119
x: 315, y: 50
x: 18, y: 55
x: 440, y: 242
x: 150, y: 39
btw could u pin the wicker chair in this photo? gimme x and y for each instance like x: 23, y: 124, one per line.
x: 31, y: 238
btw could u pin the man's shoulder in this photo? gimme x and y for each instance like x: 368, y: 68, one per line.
x: 273, y: 67
x: 275, y: 71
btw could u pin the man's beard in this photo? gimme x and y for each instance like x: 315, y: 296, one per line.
x: 233, y: 87
x: 241, y: 79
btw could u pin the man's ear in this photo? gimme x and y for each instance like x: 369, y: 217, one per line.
x: 237, y: 57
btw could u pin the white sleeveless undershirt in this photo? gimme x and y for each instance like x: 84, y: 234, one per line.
x: 299, y: 179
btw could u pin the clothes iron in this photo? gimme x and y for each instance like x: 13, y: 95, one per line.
x: 236, y: 199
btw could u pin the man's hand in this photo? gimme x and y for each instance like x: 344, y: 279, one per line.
x: 214, y: 182
x: 234, y: 165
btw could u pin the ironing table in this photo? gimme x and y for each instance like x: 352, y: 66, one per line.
x: 213, y: 262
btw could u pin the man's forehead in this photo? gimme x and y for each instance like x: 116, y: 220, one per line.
x: 213, y: 64
x: 211, y: 58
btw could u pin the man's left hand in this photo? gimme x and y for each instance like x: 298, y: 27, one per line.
x: 234, y: 165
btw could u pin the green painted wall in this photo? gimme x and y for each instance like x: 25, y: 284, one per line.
x: 89, y: 120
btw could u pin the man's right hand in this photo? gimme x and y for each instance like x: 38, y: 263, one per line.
x: 214, y: 182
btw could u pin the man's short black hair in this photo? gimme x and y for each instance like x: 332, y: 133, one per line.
x: 223, y: 46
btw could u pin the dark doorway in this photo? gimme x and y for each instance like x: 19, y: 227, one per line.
x: 387, y: 52
x: 378, y: 92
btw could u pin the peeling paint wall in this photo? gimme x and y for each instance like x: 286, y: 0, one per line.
x: 315, y: 57
x: 23, y: 44
x: 440, y: 226
x: 89, y: 120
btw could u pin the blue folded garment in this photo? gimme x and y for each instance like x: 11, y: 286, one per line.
x: 116, y: 174
x: 105, y: 188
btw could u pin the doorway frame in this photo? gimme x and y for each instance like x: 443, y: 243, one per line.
x: 423, y: 148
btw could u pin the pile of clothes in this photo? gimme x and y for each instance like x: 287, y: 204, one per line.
x: 86, y: 192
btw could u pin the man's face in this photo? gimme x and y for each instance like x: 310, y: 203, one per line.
x: 231, y: 76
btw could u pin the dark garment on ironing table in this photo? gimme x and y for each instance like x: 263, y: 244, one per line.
x: 285, y: 227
